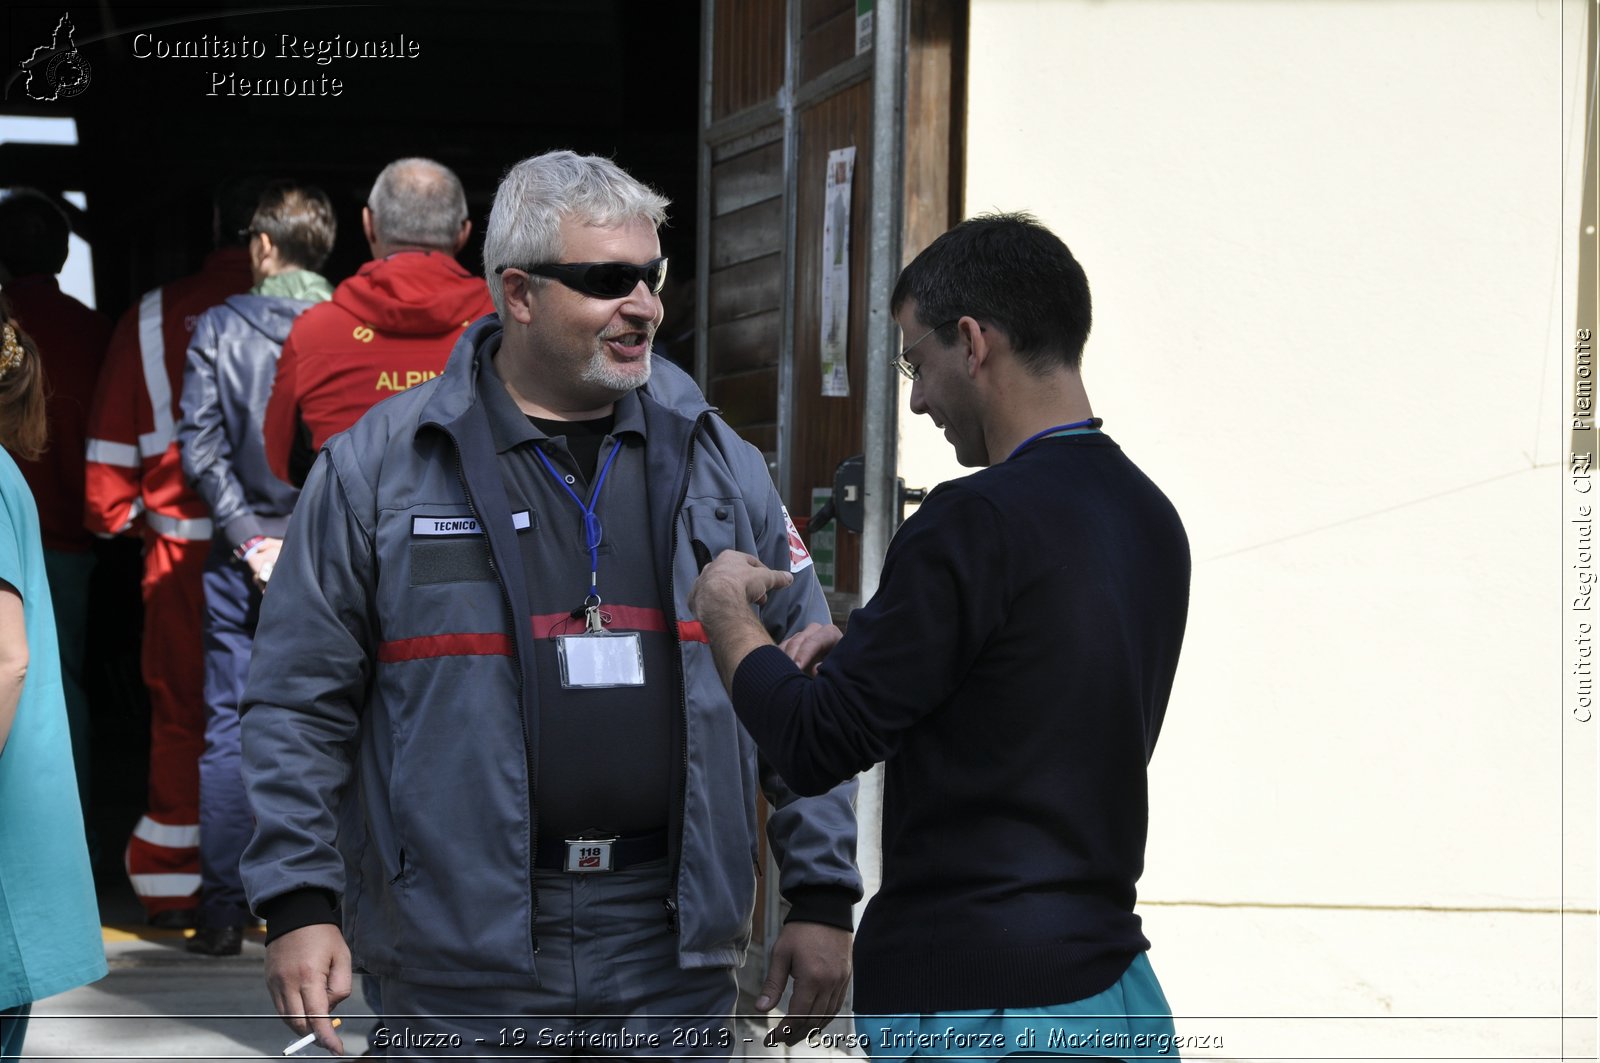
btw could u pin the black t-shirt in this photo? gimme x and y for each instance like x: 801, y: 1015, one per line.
x: 607, y: 758
x: 584, y: 439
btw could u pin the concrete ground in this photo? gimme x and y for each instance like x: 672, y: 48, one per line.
x: 161, y: 1002
x: 1246, y: 983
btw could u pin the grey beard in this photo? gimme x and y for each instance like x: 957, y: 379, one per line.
x: 602, y: 373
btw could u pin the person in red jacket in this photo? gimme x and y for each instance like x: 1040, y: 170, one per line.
x: 387, y: 328
x: 72, y: 344
x: 134, y: 485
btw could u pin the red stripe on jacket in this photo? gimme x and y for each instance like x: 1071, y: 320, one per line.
x: 623, y: 618
x: 548, y: 625
x: 455, y: 645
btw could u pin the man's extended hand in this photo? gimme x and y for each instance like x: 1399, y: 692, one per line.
x: 734, y: 581
x: 807, y: 648
x: 721, y: 600
x: 817, y: 957
x: 308, y: 975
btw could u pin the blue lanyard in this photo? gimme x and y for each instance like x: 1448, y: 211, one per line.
x: 591, y: 520
x: 1083, y: 427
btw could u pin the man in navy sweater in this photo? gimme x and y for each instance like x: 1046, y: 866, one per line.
x: 1012, y: 672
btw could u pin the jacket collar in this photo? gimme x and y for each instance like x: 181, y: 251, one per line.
x: 452, y: 407
x: 510, y: 426
x: 671, y: 396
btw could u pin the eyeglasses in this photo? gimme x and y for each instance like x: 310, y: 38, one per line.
x: 601, y: 280
x: 246, y: 235
x: 907, y: 370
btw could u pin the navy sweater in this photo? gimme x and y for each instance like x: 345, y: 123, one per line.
x: 1012, y: 670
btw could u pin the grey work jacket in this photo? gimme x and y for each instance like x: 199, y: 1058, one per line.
x: 389, y: 733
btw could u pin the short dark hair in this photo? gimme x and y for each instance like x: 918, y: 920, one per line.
x: 1008, y: 271
x: 300, y: 220
x: 33, y: 233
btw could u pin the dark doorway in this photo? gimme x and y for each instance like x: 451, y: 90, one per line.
x: 174, y: 98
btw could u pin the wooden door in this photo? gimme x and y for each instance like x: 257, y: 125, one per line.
x: 785, y: 82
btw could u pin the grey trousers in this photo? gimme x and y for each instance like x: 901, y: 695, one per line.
x: 610, y: 986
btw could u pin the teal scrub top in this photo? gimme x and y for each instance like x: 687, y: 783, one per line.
x: 50, y: 937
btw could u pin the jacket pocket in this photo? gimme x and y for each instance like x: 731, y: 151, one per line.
x: 720, y: 524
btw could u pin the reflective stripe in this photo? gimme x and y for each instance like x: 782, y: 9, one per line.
x: 185, y: 837
x: 155, y: 444
x: 165, y: 885
x: 105, y: 452
x: 153, y: 354
x: 195, y: 529
x: 133, y: 514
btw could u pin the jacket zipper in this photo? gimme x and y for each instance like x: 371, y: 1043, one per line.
x: 683, y: 688
x: 522, y: 716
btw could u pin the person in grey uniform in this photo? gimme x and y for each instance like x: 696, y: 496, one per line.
x: 483, y: 734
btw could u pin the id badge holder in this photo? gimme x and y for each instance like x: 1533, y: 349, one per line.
x: 598, y: 659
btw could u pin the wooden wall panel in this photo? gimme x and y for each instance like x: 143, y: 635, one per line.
x: 814, y: 13
x: 828, y: 430
x: 934, y: 109
x: 744, y: 263
x: 746, y: 306
x: 764, y: 437
x: 745, y: 343
x: 748, y: 178
x: 746, y: 234
x: 828, y: 44
x: 745, y: 292
x: 747, y: 398
x: 746, y: 54
x: 747, y: 288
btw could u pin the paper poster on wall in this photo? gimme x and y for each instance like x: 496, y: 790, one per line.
x: 863, y: 25
x: 836, y: 273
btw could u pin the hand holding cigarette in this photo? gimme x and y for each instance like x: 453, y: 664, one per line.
x: 308, y: 975
x: 307, y: 1039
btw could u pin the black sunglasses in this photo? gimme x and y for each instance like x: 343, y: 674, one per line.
x: 602, y: 280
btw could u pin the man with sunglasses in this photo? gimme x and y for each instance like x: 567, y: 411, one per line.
x: 478, y: 637
x: 1012, y: 672
x: 388, y: 327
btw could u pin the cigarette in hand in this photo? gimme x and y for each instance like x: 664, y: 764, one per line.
x: 307, y: 1039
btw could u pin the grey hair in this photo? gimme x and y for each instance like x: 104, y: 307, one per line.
x: 418, y: 201
x: 537, y: 193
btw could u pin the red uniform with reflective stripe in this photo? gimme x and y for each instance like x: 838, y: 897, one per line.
x: 72, y: 344
x: 389, y: 327
x: 134, y: 483
x: 133, y: 464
